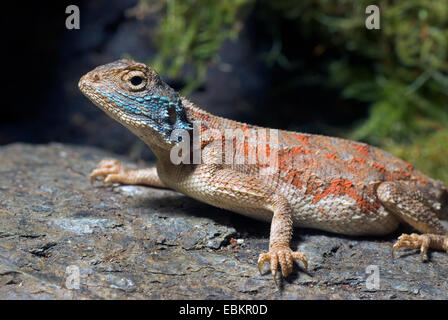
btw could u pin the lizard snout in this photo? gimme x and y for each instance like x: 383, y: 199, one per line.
x: 88, y: 79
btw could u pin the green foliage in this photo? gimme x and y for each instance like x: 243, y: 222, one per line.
x: 401, y: 71
x: 429, y: 153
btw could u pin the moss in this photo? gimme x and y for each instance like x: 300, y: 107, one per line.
x: 429, y: 153
x: 190, y: 34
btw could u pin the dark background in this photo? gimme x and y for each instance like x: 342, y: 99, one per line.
x: 43, y: 61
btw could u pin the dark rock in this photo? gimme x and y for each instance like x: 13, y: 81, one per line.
x: 146, y: 243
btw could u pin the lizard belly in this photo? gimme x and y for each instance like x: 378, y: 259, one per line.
x: 340, y: 212
x: 334, y: 214
x: 243, y: 209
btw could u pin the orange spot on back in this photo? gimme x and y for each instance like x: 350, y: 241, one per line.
x: 246, y: 148
x: 331, y: 156
x: 380, y: 168
x: 399, y: 174
x: 303, y: 139
x: 300, y: 150
x: 342, y: 186
x: 205, y: 143
x: 199, y: 115
x: 358, y: 160
x: 293, y: 177
x: 409, y: 167
x: 363, y: 150
x: 268, y: 150
x: 203, y: 128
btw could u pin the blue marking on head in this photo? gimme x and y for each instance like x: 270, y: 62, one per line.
x: 159, y: 113
x: 150, y: 101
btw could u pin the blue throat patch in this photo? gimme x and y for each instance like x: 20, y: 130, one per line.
x: 154, y: 110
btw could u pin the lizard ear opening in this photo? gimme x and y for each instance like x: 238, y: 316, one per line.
x: 181, y: 121
x: 172, y: 116
x: 174, y: 119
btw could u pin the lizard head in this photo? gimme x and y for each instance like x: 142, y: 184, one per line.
x: 135, y: 95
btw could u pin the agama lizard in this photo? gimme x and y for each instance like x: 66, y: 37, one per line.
x: 320, y: 182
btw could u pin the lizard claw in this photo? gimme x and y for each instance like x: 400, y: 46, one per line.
x: 110, y: 170
x: 282, y: 256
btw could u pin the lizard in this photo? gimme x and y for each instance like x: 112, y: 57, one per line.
x: 319, y: 182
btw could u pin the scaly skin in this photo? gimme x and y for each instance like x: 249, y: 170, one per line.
x: 319, y: 182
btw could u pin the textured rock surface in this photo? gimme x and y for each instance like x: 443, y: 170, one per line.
x: 146, y: 243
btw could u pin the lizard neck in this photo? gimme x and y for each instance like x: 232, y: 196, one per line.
x: 158, y: 142
x: 196, y: 117
x: 208, y: 120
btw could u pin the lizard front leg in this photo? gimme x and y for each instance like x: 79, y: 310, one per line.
x: 114, y: 171
x: 281, y: 232
x: 406, y: 200
x: 227, y: 188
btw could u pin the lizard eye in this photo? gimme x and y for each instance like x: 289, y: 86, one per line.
x: 136, y: 80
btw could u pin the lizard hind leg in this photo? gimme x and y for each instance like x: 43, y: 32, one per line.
x: 406, y: 200
x: 422, y: 241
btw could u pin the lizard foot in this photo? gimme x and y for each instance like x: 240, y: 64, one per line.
x: 111, y: 171
x: 282, y: 256
x: 422, y: 241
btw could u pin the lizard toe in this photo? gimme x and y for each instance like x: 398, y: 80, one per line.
x: 109, y: 170
x: 282, y: 257
x: 120, y: 177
